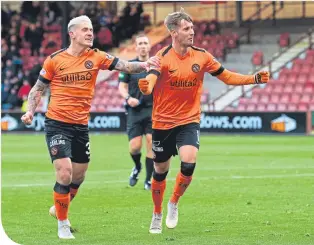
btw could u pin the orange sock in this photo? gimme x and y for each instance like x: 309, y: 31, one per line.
x: 62, y: 202
x: 74, y: 189
x: 73, y: 193
x: 158, y: 190
x: 182, y: 183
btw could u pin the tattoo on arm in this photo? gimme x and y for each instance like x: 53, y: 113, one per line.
x: 35, y: 95
x: 130, y: 67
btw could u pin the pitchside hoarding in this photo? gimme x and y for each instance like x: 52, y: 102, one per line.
x: 214, y: 122
x: 99, y: 122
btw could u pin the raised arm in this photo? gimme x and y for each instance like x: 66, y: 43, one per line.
x: 34, y: 98
x: 233, y: 78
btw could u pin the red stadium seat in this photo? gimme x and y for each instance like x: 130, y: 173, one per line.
x: 298, y: 88
x: 309, y: 88
x: 281, y: 107
x: 284, y: 40
x: 285, y: 98
x: 302, y: 78
x: 251, y: 107
x: 303, y: 107
x: 292, y: 107
x: 295, y: 98
x: 261, y: 107
x: 306, y: 98
x: 241, y: 107
x: 288, y: 88
x: 311, y: 107
x: 271, y: 107
x: 264, y: 99
x: 274, y: 98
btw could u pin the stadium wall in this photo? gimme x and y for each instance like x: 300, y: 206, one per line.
x: 211, y: 122
x: 225, y: 11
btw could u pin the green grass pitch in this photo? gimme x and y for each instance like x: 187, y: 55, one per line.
x: 247, y: 190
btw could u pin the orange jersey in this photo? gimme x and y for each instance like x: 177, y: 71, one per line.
x: 72, y: 82
x: 178, y: 90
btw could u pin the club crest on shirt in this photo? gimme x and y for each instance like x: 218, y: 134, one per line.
x: 89, y: 64
x: 54, y: 151
x: 109, y: 57
x: 195, y: 68
x: 42, y: 72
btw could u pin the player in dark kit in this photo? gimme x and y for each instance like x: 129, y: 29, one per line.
x: 139, y: 112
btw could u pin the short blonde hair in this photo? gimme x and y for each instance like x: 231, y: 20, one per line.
x: 173, y: 20
x: 78, y: 20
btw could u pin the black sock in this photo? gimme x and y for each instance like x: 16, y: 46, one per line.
x: 149, y: 168
x: 61, y: 189
x: 137, y: 160
x: 159, y: 177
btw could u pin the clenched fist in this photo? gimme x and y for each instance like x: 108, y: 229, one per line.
x: 262, y: 77
x: 143, y: 84
x: 27, y: 118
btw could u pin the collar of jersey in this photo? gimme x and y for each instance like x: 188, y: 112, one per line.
x: 184, y: 56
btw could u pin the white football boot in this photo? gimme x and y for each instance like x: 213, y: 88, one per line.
x: 64, y: 231
x: 52, y: 213
x: 172, y: 215
x: 156, y: 225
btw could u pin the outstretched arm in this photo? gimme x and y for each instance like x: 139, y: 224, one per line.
x: 137, y: 67
x: 130, y: 67
x: 232, y: 78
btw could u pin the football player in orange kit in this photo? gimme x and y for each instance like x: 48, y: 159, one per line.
x: 71, y: 74
x: 177, y: 88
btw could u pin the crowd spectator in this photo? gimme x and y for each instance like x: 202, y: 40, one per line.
x: 34, y: 35
x: 212, y: 28
x: 26, y: 36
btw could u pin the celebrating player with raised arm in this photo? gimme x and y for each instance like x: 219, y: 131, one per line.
x: 177, y: 89
x: 71, y: 74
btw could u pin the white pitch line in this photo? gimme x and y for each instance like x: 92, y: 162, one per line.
x: 101, y: 172
x: 233, y: 177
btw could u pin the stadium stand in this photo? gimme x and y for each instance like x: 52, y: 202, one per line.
x: 30, y: 36
x: 291, y: 91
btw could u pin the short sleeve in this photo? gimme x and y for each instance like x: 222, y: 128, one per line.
x: 157, y: 70
x: 47, y: 72
x: 108, y: 62
x: 213, y: 66
x: 124, y: 77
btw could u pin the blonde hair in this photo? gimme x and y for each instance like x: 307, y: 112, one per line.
x: 173, y: 20
x: 78, y: 20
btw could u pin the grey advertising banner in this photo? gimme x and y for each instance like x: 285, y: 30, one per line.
x: 214, y: 122
x: 98, y: 122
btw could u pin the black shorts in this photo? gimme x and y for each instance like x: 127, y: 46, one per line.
x: 67, y: 140
x: 139, y: 122
x: 166, y: 142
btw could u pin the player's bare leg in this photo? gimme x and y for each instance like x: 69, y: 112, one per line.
x: 61, y: 196
x: 188, y: 159
x: 135, y: 146
x: 149, y: 164
x: 158, y: 189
